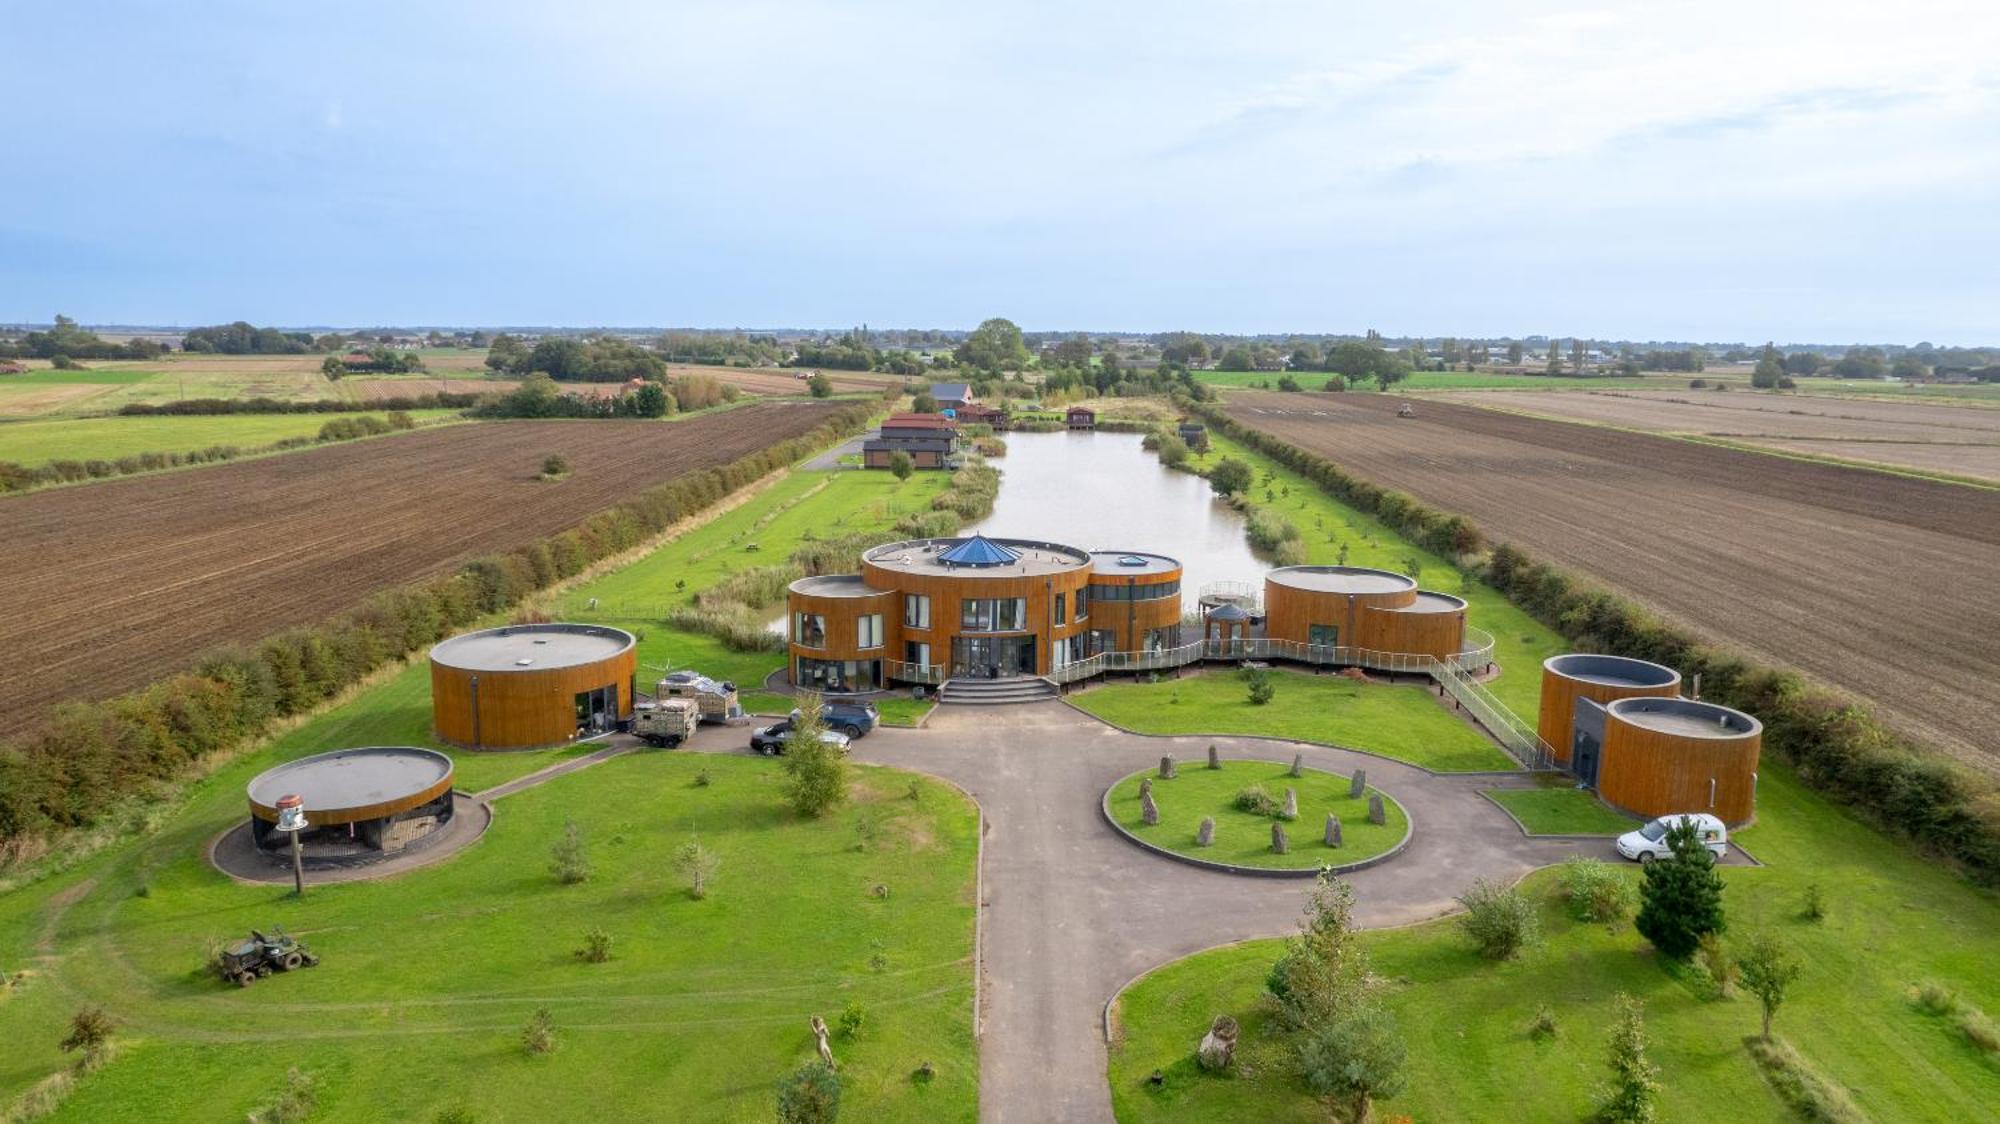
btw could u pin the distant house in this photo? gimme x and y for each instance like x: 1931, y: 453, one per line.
x: 1082, y: 417
x: 974, y: 413
x: 929, y: 439
x: 1195, y: 436
x: 951, y: 395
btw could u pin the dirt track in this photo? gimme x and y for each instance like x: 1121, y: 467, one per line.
x: 113, y: 585
x: 1878, y: 584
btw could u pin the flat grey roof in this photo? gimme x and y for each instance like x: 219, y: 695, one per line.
x: 920, y: 556
x: 1685, y: 717
x: 1428, y: 602
x: 1112, y: 562
x: 836, y: 585
x: 352, y: 778
x: 1340, y: 579
x: 532, y: 647
x: 1612, y: 671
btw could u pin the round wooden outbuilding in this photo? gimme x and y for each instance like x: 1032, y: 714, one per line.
x: 356, y: 801
x: 531, y: 685
x: 1601, y: 679
x: 1668, y: 755
x: 1357, y: 607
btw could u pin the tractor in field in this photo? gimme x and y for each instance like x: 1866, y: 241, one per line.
x: 249, y: 961
x: 714, y: 699
x: 665, y: 723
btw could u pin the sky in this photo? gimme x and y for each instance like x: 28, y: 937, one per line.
x: 1740, y: 170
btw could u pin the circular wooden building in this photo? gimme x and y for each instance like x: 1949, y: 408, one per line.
x: 1601, y: 679
x: 359, y: 803
x: 1667, y: 755
x: 1357, y: 607
x: 532, y: 685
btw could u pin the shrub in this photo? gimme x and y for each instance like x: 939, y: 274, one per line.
x: 1324, y: 969
x: 596, y: 946
x: 1980, y: 1030
x: 538, y: 1035
x: 1716, y: 966
x: 89, y: 1033
x: 1681, y: 896
x: 815, y: 776
x: 1291, y: 552
x: 1934, y: 999
x: 1814, y: 909
x: 901, y: 466
x: 1635, y: 1082
x: 1230, y: 477
x: 1356, y: 1058
x: 820, y: 386
x: 1257, y: 801
x: 1259, y: 685
x: 851, y: 1018
x: 554, y: 465
x: 569, y: 861
x: 1268, y: 530
x: 698, y: 865
x: 810, y: 1095
x: 294, y: 1103
x: 1544, y: 1025
x: 1801, y: 1086
x: 1594, y: 890
x: 1500, y: 920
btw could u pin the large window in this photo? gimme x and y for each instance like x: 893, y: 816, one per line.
x: 1082, y: 602
x: 916, y: 653
x: 1160, y: 639
x: 809, y: 630
x: 1324, y: 634
x: 868, y: 631
x: 990, y: 614
x: 1135, y: 592
x: 839, y: 675
x: 916, y: 610
x: 1062, y: 606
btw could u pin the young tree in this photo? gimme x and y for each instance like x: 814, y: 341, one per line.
x: 89, y: 1032
x: 1230, y: 476
x: 1354, y: 1059
x: 900, y: 465
x: 1635, y: 1082
x: 1768, y: 969
x: 820, y: 385
x: 809, y: 1095
x: 1324, y: 970
x: 1770, y: 369
x: 568, y: 860
x: 1257, y: 683
x: 1680, y: 897
x: 698, y: 865
x: 1555, y: 358
x: 815, y: 775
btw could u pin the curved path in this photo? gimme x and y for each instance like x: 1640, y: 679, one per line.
x: 1072, y: 911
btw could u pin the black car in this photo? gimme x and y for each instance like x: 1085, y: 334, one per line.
x: 770, y: 740
x: 855, y: 719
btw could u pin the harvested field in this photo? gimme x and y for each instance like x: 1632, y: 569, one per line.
x: 1961, y: 440
x: 1877, y: 584
x: 780, y: 381
x: 114, y: 585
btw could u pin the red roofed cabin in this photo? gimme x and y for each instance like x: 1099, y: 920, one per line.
x: 973, y: 413
x: 1082, y: 417
x: 931, y: 440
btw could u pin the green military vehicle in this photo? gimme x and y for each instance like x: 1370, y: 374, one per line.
x: 248, y: 961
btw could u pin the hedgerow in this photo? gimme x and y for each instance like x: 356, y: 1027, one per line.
x: 1837, y: 746
x: 89, y: 756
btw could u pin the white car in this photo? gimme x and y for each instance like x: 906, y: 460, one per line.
x: 1650, y: 842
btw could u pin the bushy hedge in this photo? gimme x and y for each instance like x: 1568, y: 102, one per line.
x: 205, y: 406
x: 1837, y: 746
x: 91, y: 755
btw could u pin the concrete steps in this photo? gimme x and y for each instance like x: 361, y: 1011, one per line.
x: 997, y: 692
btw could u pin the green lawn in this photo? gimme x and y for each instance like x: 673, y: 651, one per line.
x: 1244, y: 838
x: 108, y: 438
x: 1521, y: 643
x: 903, y: 710
x: 91, y: 376
x: 428, y: 977
x: 1402, y: 722
x: 1895, y: 919
x: 1561, y: 811
x: 761, y: 532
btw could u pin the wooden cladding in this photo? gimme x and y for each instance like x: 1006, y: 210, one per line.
x: 521, y: 709
x: 1388, y: 621
x: 1651, y: 772
x: 1557, y: 721
x: 947, y: 592
x: 842, y: 617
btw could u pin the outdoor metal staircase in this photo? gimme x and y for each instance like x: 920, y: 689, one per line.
x: 997, y: 692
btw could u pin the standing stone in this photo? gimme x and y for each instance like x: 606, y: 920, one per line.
x: 1149, y: 811
x: 1291, y: 803
x: 1145, y: 787
x: 1167, y: 767
x: 1332, y: 830
x: 1358, y: 785
x: 1377, y: 815
x: 1214, y: 758
x: 1278, y: 844
x: 1205, y: 836
x: 1218, y: 1046
x: 1298, y: 764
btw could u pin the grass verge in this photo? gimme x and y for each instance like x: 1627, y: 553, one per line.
x: 1560, y: 811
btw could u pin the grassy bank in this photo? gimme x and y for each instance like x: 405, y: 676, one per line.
x: 1243, y: 837
x: 1402, y: 722
x: 1893, y: 920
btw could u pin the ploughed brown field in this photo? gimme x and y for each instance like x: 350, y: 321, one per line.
x: 1961, y: 440
x: 1879, y: 584
x: 113, y: 585
x: 785, y: 380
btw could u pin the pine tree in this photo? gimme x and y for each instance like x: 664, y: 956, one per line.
x: 1681, y: 896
